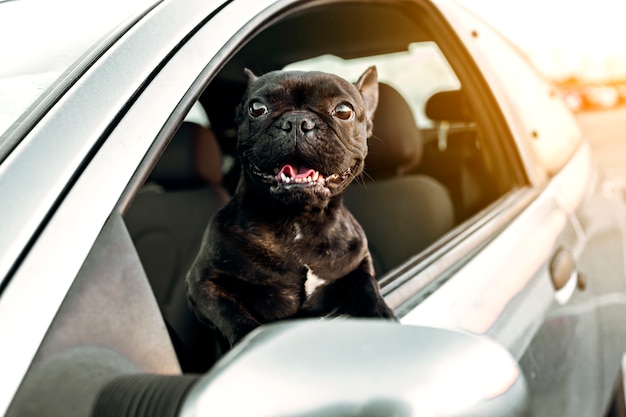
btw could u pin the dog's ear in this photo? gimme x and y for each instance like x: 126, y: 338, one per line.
x: 368, y: 87
x: 239, y: 113
x: 250, y: 74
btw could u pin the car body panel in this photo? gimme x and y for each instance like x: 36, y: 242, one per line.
x: 55, y: 56
x: 485, y: 294
x: 561, y: 324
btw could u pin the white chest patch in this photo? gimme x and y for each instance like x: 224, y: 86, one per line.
x: 312, y: 282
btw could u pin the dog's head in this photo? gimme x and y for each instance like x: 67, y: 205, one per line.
x: 302, y: 136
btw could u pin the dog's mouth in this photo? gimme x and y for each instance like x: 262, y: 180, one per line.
x: 292, y: 175
x: 299, y: 175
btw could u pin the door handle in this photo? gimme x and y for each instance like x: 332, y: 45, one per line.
x: 562, y: 266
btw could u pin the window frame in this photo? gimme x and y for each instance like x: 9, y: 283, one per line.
x: 415, y: 279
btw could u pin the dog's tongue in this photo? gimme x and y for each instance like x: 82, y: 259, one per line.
x: 297, y: 172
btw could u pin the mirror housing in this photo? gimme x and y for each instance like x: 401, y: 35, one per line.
x: 360, y: 367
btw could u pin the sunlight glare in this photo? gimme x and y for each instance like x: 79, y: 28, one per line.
x: 563, y: 37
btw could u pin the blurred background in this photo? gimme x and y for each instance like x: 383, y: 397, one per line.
x: 581, y: 45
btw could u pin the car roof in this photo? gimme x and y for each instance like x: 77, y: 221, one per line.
x: 48, y: 38
x: 324, y: 30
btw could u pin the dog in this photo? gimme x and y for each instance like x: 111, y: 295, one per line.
x: 285, y: 246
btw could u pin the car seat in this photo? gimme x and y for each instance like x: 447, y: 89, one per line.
x: 457, y: 159
x: 401, y: 213
x: 167, y: 221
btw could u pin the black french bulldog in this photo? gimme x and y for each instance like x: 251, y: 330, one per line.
x: 285, y: 246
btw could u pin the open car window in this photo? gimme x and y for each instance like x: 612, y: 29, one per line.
x: 435, y: 161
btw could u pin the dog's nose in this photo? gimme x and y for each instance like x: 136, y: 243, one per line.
x: 302, y: 121
x: 306, y: 125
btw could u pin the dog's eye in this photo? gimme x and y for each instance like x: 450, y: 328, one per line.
x: 257, y: 109
x: 343, y: 111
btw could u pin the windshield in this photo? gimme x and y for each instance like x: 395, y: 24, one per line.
x: 41, y: 39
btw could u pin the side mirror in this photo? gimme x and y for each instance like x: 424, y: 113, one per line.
x: 360, y: 367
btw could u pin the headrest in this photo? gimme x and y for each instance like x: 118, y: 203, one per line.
x: 451, y: 106
x: 192, y: 158
x: 396, y: 145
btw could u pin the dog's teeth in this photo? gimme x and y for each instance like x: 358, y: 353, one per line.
x: 314, y: 177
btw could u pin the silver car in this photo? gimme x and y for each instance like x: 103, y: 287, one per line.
x: 496, y: 240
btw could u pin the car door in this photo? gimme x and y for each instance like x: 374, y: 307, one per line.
x: 536, y: 284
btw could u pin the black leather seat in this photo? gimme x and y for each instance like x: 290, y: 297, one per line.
x: 401, y: 213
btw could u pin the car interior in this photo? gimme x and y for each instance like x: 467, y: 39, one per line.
x: 422, y: 177
x: 434, y: 164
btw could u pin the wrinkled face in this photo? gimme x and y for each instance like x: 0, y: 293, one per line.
x: 303, y: 135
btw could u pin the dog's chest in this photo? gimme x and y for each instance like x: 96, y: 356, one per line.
x: 324, y: 258
x: 311, y: 282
